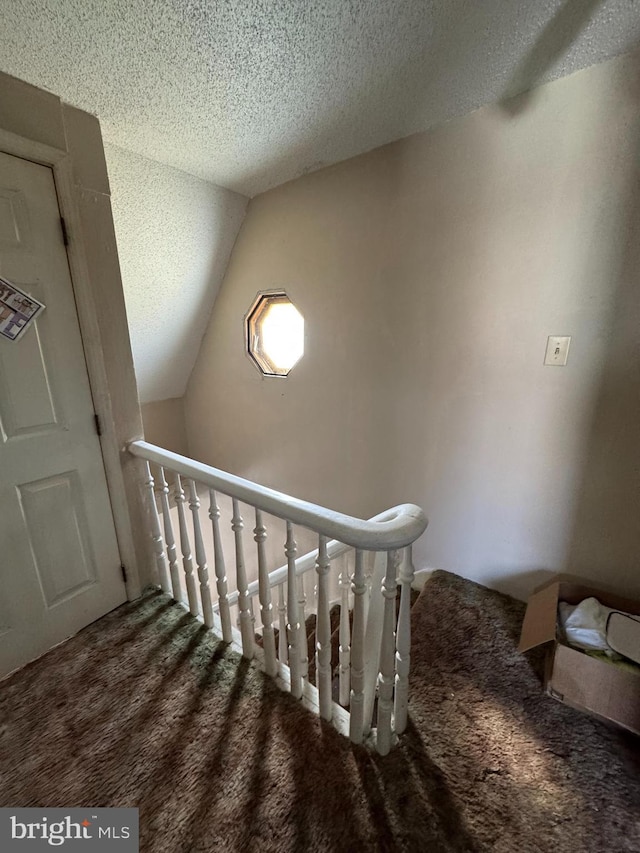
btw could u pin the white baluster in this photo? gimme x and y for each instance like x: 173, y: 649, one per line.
x: 356, y: 705
x: 201, y: 556
x: 302, y: 617
x: 403, y: 644
x: 293, y: 626
x: 156, y: 533
x: 246, y: 624
x: 169, y: 538
x: 368, y: 582
x: 185, y: 546
x: 344, y: 637
x: 386, y: 678
x: 373, y: 636
x: 220, y: 569
x: 266, y: 609
x: 323, y: 632
x: 282, y: 623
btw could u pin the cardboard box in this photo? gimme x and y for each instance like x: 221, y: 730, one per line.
x: 571, y: 676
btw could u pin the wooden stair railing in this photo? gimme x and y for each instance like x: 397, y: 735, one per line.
x: 373, y: 631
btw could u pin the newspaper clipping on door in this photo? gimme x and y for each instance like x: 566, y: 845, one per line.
x: 17, y: 310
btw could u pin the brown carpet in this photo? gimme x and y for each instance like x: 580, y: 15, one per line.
x: 145, y: 709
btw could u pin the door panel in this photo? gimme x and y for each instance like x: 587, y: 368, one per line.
x: 62, y: 554
x: 25, y: 408
x: 14, y: 223
x: 59, y: 561
x: 5, y: 624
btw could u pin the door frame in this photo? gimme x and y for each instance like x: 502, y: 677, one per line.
x: 36, y: 125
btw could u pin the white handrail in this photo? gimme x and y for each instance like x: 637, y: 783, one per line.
x: 373, y: 656
x: 403, y: 524
x: 305, y: 563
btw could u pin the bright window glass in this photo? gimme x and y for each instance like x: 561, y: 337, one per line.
x: 275, y: 333
x: 283, y: 335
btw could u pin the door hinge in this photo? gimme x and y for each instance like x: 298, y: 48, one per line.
x: 124, y: 573
x: 65, y: 233
x: 98, y: 424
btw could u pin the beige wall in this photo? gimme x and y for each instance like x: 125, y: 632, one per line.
x: 164, y: 424
x: 430, y: 273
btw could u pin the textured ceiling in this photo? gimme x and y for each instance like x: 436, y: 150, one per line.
x: 250, y: 93
x: 175, y: 234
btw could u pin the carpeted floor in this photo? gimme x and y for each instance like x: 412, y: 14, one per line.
x: 144, y: 709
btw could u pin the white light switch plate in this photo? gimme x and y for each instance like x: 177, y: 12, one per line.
x: 557, y: 350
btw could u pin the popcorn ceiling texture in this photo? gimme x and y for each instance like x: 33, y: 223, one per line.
x: 251, y: 94
x: 175, y: 234
x: 247, y: 95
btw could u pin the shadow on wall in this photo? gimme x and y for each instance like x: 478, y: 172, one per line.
x: 604, y: 532
x: 554, y: 42
x: 605, y: 540
x: 604, y: 543
x: 571, y: 495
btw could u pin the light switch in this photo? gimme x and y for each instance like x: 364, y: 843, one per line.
x: 557, y: 350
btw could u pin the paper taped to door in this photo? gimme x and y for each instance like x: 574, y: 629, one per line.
x: 17, y: 310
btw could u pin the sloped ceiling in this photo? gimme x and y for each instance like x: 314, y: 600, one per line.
x: 248, y: 94
x: 175, y: 234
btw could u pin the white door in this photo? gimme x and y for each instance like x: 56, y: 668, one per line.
x: 59, y: 562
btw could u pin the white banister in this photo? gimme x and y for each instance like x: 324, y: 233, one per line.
x: 293, y: 624
x: 403, y: 644
x: 169, y: 538
x: 374, y: 639
x: 323, y: 632
x: 246, y: 622
x: 402, y: 525
x: 185, y: 547
x: 156, y: 533
x: 283, y: 656
x: 302, y: 620
x: 220, y: 570
x: 266, y: 610
x: 356, y: 705
x: 344, y: 639
x: 368, y: 578
x: 201, y: 556
x: 386, y: 679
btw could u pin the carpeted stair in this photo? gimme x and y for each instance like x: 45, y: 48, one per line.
x: 145, y: 708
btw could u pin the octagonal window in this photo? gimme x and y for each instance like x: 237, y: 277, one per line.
x: 275, y: 333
